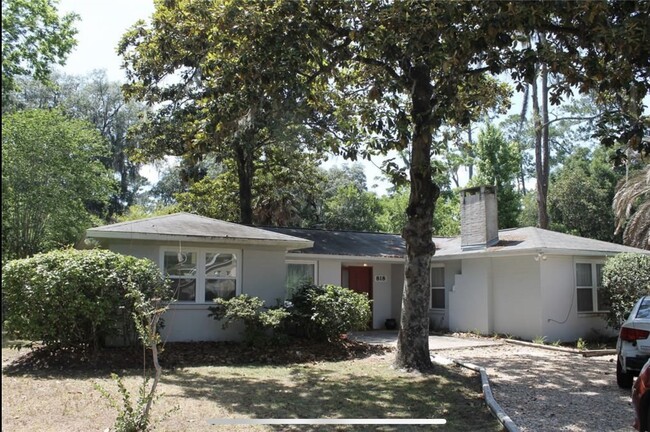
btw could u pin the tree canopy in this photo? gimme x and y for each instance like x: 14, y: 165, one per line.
x: 34, y: 37
x: 51, y: 175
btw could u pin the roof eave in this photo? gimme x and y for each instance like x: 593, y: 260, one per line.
x: 287, y: 244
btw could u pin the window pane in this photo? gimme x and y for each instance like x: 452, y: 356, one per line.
x: 644, y: 309
x: 180, y: 264
x: 220, y: 265
x: 585, y: 300
x: 602, y: 304
x: 437, y: 298
x: 437, y: 276
x: 219, y: 288
x: 298, y: 274
x: 185, y: 289
x: 583, y: 275
x: 599, y: 275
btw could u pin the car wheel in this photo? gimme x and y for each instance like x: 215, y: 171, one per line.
x: 624, y: 380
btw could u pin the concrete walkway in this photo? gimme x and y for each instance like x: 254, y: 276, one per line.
x: 387, y: 337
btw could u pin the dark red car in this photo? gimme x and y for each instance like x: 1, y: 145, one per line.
x: 641, y: 399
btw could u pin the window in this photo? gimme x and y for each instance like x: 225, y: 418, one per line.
x: 201, y: 275
x: 299, y: 273
x: 437, y: 287
x: 589, y: 280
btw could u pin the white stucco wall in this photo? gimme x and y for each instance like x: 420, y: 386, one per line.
x: 381, y: 294
x: 560, y: 317
x: 329, y: 272
x: 397, y: 287
x: 263, y: 274
x: 470, y: 300
x: 516, y: 296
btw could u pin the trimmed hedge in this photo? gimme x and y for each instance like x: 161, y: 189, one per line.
x: 72, y: 298
x: 626, y: 278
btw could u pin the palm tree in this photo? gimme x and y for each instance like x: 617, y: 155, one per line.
x: 632, y: 209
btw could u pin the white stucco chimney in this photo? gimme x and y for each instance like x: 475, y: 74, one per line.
x: 479, y: 221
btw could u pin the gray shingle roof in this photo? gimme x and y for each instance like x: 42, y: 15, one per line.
x: 348, y: 243
x: 531, y: 239
x: 194, y: 228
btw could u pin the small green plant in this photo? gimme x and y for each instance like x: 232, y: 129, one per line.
x: 539, y: 340
x: 476, y: 332
x: 249, y: 310
x: 581, y: 344
x: 328, y: 311
x: 135, y: 416
x: 556, y: 343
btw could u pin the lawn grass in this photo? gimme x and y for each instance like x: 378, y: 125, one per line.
x: 360, y: 388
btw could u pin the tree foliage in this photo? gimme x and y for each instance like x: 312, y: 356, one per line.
x: 34, y: 37
x: 626, y: 278
x: 97, y: 100
x: 71, y: 298
x: 580, y: 196
x: 375, y: 76
x: 51, y: 176
x: 498, y: 163
x: 632, y: 208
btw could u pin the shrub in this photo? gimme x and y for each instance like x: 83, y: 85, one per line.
x: 249, y: 310
x: 626, y: 278
x: 328, y: 311
x: 71, y: 298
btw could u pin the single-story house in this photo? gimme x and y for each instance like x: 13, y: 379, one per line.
x: 525, y: 282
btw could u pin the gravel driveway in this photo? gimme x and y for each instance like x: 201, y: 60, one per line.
x: 544, y: 390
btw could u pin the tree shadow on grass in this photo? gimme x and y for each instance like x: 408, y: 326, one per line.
x: 324, y: 391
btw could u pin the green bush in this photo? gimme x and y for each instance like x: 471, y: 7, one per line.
x: 328, y: 311
x: 626, y: 278
x: 249, y: 310
x: 72, y: 298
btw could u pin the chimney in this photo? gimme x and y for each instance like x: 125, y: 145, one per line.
x: 479, y: 226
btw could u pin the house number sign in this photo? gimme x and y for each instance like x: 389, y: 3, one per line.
x: 380, y: 278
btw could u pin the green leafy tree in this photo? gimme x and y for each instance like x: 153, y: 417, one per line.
x: 581, y: 193
x: 217, y: 100
x: 95, y: 99
x: 498, y: 163
x: 34, y: 37
x: 51, y: 176
x: 380, y: 76
x: 626, y: 278
x: 351, y: 209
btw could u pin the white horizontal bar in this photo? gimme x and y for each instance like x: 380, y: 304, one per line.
x: 244, y: 421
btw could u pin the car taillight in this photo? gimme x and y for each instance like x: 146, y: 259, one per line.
x: 632, y: 334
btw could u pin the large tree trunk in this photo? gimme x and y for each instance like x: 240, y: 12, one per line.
x: 413, y: 339
x: 541, y: 145
x: 245, y: 172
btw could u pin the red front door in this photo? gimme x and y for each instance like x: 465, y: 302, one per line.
x: 360, y: 279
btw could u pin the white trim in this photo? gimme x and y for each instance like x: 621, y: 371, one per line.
x: 313, y: 262
x: 199, y: 295
x: 443, y: 287
x: 288, y: 244
x: 593, y: 263
x: 346, y: 258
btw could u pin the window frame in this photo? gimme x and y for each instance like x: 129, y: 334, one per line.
x: 432, y: 287
x: 594, y: 287
x: 299, y: 262
x: 200, y: 276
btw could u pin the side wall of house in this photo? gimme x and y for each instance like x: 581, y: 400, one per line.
x: 439, y: 319
x: 516, y: 296
x: 560, y: 317
x: 263, y: 274
x: 471, y: 297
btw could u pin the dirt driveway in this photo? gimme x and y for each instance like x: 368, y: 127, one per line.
x: 544, y: 390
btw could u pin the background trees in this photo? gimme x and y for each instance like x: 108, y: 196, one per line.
x: 34, y: 37
x: 51, y: 176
